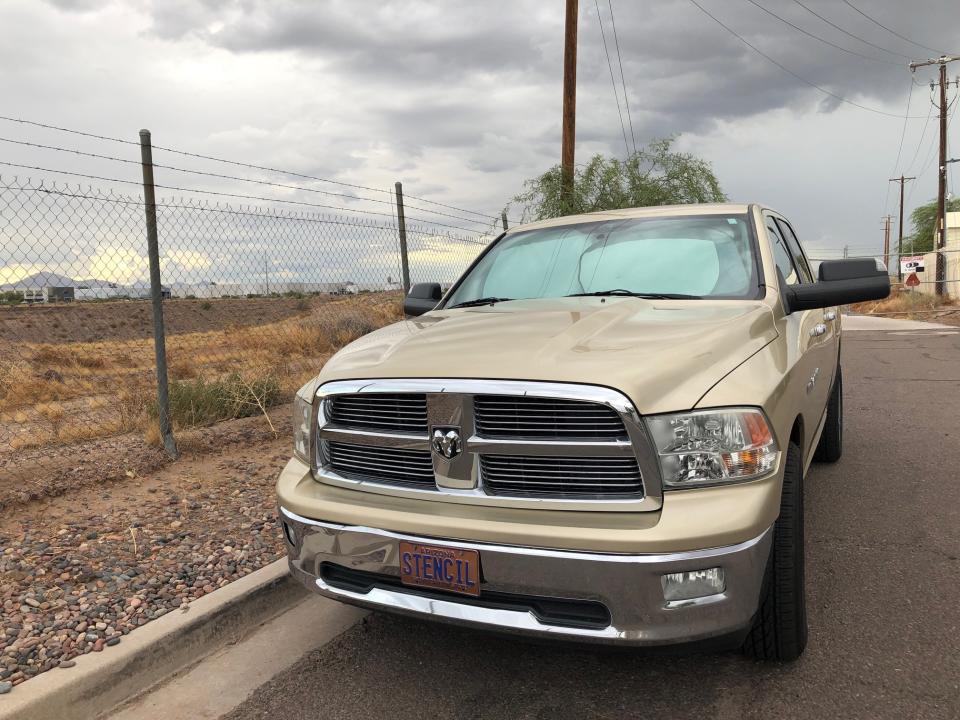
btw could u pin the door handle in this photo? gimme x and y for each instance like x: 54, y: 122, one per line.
x: 818, y: 330
x: 830, y: 316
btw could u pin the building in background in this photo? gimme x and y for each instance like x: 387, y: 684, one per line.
x: 952, y: 256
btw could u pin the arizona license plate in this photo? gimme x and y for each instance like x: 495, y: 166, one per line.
x: 440, y: 568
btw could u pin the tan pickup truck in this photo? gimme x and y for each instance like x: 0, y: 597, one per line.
x: 600, y: 432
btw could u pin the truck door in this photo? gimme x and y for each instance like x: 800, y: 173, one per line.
x: 829, y: 341
x: 805, y: 330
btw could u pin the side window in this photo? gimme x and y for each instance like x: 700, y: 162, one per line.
x: 781, y: 254
x: 799, y: 259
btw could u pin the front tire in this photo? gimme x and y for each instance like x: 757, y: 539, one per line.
x: 779, y: 629
x: 830, y: 447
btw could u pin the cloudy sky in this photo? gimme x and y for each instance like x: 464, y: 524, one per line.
x: 461, y: 102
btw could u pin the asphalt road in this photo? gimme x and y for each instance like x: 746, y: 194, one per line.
x: 883, y: 574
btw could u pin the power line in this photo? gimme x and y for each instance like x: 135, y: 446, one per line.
x: 923, y: 134
x: 791, y: 72
x: 626, y: 97
x: 818, y: 38
x: 931, y: 154
x: 613, y: 82
x: 889, y: 30
x: 903, y: 134
x: 848, y: 33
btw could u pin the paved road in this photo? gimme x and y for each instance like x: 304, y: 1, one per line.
x: 883, y: 534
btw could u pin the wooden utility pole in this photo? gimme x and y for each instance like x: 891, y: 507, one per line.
x: 942, y: 183
x: 569, y: 103
x: 902, y: 180
x: 886, y: 242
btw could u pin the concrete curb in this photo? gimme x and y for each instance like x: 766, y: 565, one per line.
x: 150, y: 654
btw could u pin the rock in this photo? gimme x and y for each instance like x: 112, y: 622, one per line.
x: 67, y: 664
x: 135, y: 602
x: 115, y: 640
x: 5, y: 687
x: 32, y: 602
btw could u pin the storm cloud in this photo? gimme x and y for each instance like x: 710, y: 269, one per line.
x: 461, y: 100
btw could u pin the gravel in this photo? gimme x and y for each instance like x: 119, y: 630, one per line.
x: 78, y: 583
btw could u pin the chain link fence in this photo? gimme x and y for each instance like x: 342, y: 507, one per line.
x: 255, y: 299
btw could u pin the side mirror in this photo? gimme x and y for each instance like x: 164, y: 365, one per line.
x: 840, y: 282
x: 423, y: 298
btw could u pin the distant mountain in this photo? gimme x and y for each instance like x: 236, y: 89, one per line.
x: 94, y: 283
x: 40, y: 280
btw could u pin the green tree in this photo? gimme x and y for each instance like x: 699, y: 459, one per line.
x: 655, y: 175
x: 925, y: 225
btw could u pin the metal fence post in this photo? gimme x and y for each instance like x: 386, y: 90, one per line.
x: 503, y: 219
x: 402, y: 226
x: 156, y: 295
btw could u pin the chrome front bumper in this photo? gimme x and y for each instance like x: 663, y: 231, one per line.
x: 629, y: 586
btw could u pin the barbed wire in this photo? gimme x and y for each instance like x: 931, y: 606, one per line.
x: 252, y: 166
x: 237, y: 178
x: 412, y: 229
x: 239, y: 196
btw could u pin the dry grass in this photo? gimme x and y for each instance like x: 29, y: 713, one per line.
x: 69, y: 392
x: 905, y: 304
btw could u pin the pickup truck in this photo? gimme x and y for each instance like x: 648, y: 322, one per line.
x: 601, y: 432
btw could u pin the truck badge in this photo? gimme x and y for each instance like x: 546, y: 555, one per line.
x: 446, y: 442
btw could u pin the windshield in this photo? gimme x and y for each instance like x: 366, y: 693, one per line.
x: 700, y: 256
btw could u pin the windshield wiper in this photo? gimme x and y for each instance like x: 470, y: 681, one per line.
x: 630, y: 293
x: 479, y: 301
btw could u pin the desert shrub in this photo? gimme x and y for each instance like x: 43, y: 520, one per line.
x: 204, y: 402
x: 206, y: 305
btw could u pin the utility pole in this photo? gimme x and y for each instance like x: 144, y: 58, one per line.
x: 942, y: 184
x: 886, y: 242
x: 569, y: 103
x: 846, y: 251
x: 902, y: 180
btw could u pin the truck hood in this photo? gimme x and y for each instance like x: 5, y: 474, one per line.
x: 664, y: 355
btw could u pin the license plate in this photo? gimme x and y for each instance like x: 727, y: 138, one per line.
x: 440, y: 568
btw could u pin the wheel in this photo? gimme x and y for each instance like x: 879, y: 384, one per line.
x: 830, y: 447
x: 779, y: 629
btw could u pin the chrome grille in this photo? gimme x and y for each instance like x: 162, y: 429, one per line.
x: 584, y: 478
x: 393, y: 466
x: 392, y: 412
x: 541, y: 417
x: 523, y: 443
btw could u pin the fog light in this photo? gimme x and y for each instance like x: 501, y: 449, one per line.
x: 692, y: 584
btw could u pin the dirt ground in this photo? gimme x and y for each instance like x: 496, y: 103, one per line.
x: 86, y: 322
x: 39, y: 474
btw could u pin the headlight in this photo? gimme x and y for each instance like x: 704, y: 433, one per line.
x: 709, y: 447
x: 302, y: 415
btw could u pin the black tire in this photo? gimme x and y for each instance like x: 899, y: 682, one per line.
x: 779, y: 629
x: 830, y: 447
